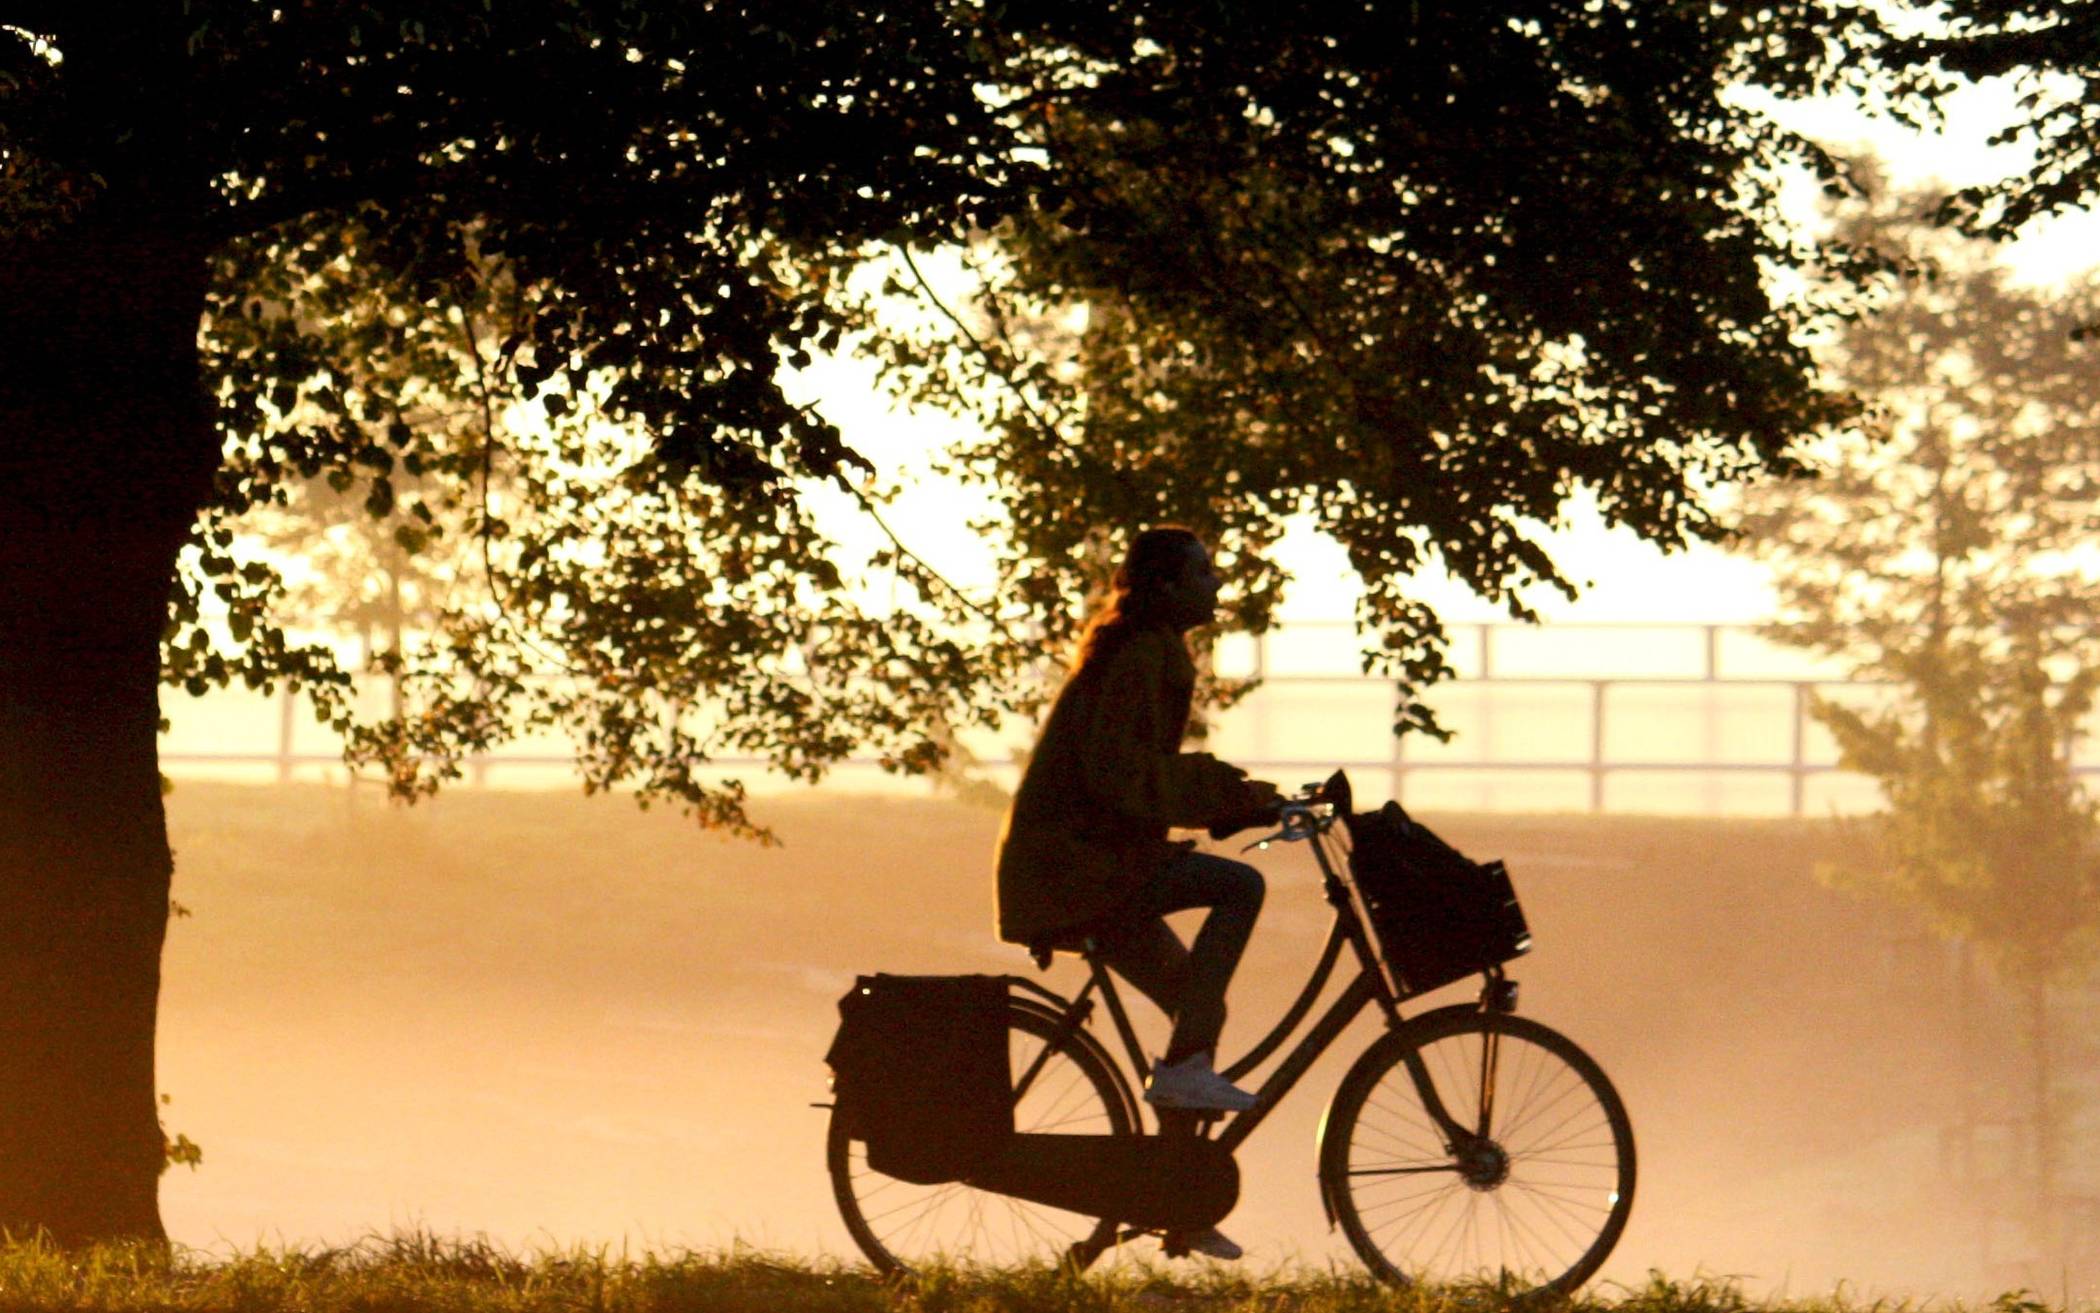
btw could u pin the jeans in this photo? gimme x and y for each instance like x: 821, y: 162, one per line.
x: 1188, y: 983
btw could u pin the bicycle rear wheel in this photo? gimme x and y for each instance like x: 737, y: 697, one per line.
x: 1078, y: 1090
x: 1528, y: 1196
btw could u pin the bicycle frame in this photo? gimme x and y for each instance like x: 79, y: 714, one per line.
x: 1371, y: 985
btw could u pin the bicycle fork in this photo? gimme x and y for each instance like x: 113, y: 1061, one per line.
x: 1498, y: 995
x: 1458, y: 1137
x: 1473, y: 1150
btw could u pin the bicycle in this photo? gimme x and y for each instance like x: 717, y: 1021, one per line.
x: 1465, y: 1144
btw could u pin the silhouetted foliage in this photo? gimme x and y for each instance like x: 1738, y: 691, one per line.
x: 340, y: 195
x: 1421, y: 272
x: 1317, y: 277
x: 382, y: 538
x: 2052, y: 51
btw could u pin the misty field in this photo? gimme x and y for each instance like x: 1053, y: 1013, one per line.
x: 551, y: 1021
x: 419, y: 1273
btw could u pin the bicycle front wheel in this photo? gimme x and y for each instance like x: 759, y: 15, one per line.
x: 1523, y: 1184
x: 1076, y: 1090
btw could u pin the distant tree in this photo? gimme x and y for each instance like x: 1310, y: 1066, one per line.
x: 1435, y: 267
x: 359, y: 579
x: 1946, y: 548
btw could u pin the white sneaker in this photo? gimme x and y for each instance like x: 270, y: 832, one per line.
x: 1213, y: 1243
x: 1190, y: 1083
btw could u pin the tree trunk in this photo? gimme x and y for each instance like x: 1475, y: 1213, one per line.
x: 84, y: 876
x: 2046, y: 1146
x: 106, y: 455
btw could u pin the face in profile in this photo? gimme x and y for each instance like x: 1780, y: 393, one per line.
x: 1191, y: 594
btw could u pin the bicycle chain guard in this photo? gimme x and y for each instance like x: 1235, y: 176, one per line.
x: 1154, y: 1182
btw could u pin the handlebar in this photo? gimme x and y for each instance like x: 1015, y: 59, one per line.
x: 1333, y: 790
x: 1231, y: 825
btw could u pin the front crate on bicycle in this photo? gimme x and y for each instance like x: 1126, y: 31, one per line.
x: 1439, y: 916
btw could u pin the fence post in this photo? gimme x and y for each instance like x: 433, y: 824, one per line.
x: 1710, y: 706
x: 1798, y: 770
x: 285, y: 712
x: 1484, y: 714
x: 1260, y: 675
x: 1597, y: 744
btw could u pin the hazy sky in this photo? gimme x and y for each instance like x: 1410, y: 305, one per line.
x: 1625, y: 578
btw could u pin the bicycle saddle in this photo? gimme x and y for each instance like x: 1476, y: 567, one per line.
x: 1074, y: 941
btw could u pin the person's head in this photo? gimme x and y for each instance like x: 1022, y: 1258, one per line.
x: 1166, y: 578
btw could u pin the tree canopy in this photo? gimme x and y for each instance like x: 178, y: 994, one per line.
x: 232, y: 239
x: 1425, y: 274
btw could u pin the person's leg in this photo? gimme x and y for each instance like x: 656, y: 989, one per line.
x: 1144, y: 950
x: 1233, y: 892
x: 1188, y: 984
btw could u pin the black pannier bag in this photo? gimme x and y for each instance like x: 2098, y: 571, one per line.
x: 919, y: 1072
x: 1439, y: 915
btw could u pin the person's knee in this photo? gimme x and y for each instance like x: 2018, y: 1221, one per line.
x: 1244, y: 886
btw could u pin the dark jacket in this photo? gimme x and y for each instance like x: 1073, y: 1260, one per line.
x: 1107, y: 778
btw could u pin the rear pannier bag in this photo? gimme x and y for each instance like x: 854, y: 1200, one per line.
x: 1438, y: 915
x: 919, y: 1072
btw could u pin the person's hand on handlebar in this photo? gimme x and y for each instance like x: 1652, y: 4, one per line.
x: 1262, y: 797
x: 1258, y: 804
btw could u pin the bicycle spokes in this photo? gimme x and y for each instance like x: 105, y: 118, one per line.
x: 1485, y: 1155
x: 1430, y: 1092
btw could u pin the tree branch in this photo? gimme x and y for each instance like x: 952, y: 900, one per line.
x: 43, y: 18
x: 341, y: 192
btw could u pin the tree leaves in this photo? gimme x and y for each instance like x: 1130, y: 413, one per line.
x: 2052, y: 51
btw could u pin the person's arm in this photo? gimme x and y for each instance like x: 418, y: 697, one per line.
x: 1126, y: 771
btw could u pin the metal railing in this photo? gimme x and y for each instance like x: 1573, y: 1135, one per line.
x: 1490, y: 676
x: 1483, y: 672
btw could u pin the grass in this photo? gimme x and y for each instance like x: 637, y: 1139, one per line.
x: 423, y: 1272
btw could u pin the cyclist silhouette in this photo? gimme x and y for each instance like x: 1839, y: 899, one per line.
x: 1085, y: 852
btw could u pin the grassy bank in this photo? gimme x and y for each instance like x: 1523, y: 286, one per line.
x: 420, y: 1273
